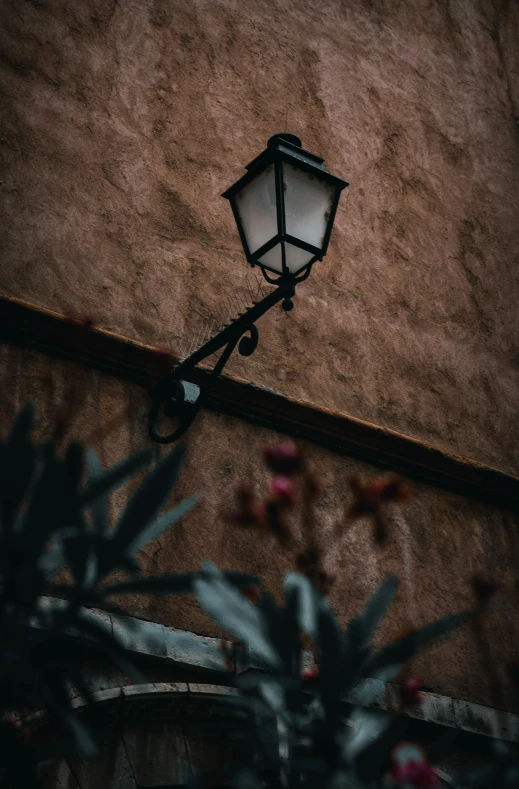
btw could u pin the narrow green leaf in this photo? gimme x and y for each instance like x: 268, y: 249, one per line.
x: 274, y: 694
x: 85, y: 745
x: 240, y: 579
x: 46, y: 505
x: 377, y: 606
x: 114, y: 477
x: 405, y: 647
x: 306, y: 601
x: 91, y: 569
x: 361, y: 628
x: 53, y: 561
x: 18, y: 464
x: 73, y: 469
x: 273, y: 617
x: 23, y: 425
x: 234, y: 613
x: 330, y: 643
x: 99, y: 504
x: 372, y: 758
x: 149, y: 497
x: 163, y: 522
x: 55, y: 692
x: 366, y: 727
x: 77, y: 551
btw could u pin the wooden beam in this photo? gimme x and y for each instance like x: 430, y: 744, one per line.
x: 55, y: 334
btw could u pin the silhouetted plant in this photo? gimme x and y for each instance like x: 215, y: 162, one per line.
x: 310, y: 732
x: 54, y: 515
x: 310, y: 709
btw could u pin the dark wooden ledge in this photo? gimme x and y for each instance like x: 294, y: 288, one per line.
x: 31, y: 326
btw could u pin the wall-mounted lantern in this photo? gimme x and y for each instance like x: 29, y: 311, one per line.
x: 284, y: 207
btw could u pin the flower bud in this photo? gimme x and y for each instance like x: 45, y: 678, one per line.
x: 282, y: 490
x: 283, y: 458
x: 310, y: 674
x: 411, y: 692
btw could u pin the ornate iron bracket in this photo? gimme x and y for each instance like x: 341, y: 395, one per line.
x: 182, y: 400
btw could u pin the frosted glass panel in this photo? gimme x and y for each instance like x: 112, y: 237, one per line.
x: 307, y: 205
x: 256, y: 204
x: 272, y: 258
x: 296, y: 258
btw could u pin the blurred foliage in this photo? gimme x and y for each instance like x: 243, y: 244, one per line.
x: 319, y: 724
x: 312, y: 711
x: 310, y: 732
x: 54, y: 515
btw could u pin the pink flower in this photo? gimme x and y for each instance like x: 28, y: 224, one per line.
x: 370, y: 498
x: 310, y: 674
x: 411, y: 691
x: 283, y: 458
x: 416, y: 774
x: 282, y: 490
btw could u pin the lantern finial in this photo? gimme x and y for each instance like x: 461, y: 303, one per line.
x: 290, y: 138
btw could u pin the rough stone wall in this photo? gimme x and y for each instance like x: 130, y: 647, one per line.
x: 436, y: 542
x: 122, y: 122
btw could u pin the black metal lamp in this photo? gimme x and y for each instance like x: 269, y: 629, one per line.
x: 284, y: 207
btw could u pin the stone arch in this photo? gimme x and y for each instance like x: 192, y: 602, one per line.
x: 153, y: 735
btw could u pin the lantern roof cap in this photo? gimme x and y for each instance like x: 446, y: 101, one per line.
x: 284, y: 138
x: 285, y: 148
x: 291, y: 147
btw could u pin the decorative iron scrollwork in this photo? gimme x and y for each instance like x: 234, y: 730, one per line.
x: 170, y: 393
x: 181, y: 400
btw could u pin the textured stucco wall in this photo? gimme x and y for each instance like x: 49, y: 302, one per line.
x: 436, y: 542
x: 122, y: 122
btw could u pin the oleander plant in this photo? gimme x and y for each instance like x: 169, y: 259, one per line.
x: 54, y: 517
x: 307, y: 694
